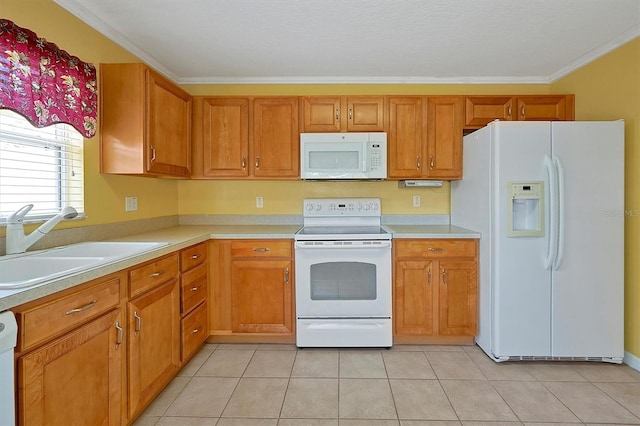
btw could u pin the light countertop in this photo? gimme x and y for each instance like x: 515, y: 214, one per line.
x: 182, y: 236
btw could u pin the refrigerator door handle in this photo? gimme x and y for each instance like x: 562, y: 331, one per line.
x: 553, y: 201
x: 561, y: 213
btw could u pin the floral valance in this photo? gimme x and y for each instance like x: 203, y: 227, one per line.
x: 45, y: 84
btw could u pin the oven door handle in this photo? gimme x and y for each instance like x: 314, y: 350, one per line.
x: 303, y: 245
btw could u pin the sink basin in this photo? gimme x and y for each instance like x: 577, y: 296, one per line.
x: 31, y: 269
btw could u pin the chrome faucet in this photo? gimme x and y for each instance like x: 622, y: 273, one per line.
x: 17, y: 241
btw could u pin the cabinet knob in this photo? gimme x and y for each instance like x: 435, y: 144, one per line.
x: 431, y: 162
x: 257, y: 162
x: 522, y: 115
x: 196, y: 256
x: 243, y: 163
x: 418, y: 162
x: 444, y: 276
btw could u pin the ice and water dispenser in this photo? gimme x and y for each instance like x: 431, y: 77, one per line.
x: 525, y: 209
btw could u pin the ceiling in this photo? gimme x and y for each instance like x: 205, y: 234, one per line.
x: 363, y: 41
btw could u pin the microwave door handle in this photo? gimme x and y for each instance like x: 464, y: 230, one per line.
x: 365, y: 158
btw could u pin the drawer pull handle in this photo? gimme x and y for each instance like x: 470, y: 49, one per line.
x: 157, y: 274
x: 435, y: 248
x: 286, y: 275
x: 196, y: 256
x: 120, y: 333
x: 196, y: 288
x: 261, y: 249
x: 82, y: 308
x: 138, y: 322
x: 444, y: 276
x: 429, y: 277
x: 197, y: 329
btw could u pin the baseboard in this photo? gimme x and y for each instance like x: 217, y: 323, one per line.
x: 631, y: 360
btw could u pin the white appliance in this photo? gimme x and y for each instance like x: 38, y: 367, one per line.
x: 343, y: 275
x: 356, y: 155
x: 8, y: 335
x: 548, y: 198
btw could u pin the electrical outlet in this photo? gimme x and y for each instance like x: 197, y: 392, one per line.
x: 130, y: 204
x: 259, y: 202
x: 416, y: 201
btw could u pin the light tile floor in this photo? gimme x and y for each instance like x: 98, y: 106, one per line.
x: 268, y: 385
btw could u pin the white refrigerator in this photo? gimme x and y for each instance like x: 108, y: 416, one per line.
x: 548, y: 200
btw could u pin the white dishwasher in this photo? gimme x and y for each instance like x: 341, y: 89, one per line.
x: 8, y: 335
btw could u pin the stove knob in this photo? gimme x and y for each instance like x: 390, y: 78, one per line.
x: 309, y: 206
x: 318, y: 207
x: 374, y: 206
x: 360, y: 206
x: 367, y: 207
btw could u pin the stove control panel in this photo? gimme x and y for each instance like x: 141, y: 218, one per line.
x: 341, y: 207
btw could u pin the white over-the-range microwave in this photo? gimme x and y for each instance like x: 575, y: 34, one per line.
x: 343, y: 156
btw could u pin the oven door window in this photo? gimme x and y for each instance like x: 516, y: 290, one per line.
x: 343, y: 281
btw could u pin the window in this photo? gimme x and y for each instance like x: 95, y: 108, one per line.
x: 39, y: 166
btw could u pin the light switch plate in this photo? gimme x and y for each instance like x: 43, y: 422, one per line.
x: 259, y: 202
x: 416, y: 201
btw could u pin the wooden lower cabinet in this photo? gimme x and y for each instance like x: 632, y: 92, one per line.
x: 153, y: 336
x: 76, y: 379
x: 435, y: 291
x: 252, y: 291
x: 70, y: 356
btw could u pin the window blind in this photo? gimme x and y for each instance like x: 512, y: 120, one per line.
x: 39, y: 166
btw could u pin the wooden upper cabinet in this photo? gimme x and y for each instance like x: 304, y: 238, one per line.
x: 543, y: 108
x: 145, y: 123
x: 342, y: 113
x: 481, y: 110
x: 425, y: 137
x: 276, y: 138
x: 406, y: 136
x: 443, y: 159
x: 321, y: 113
x: 221, y: 137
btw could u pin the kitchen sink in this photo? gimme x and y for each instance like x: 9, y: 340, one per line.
x: 30, y: 269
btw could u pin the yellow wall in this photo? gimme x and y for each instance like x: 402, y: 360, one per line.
x: 609, y: 89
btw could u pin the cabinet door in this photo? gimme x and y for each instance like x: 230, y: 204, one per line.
x: 458, y: 308
x: 168, y: 127
x: 276, y: 141
x: 481, y: 110
x: 261, y: 296
x: 413, y: 297
x: 321, y: 113
x: 76, y: 379
x: 406, y: 137
x: 365, y: 114
x: 444, y: 137
x: 153, y: 332
x: 225, y: 137
x: 543, y: 108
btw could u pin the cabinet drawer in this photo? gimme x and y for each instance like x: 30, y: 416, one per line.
x: 151, y: 274
x: 261, y: 248
x: 435, y: 248
x: 192, y: 256
x: 194, y: 288
x: 194, y: 330
x: 43, y: 322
